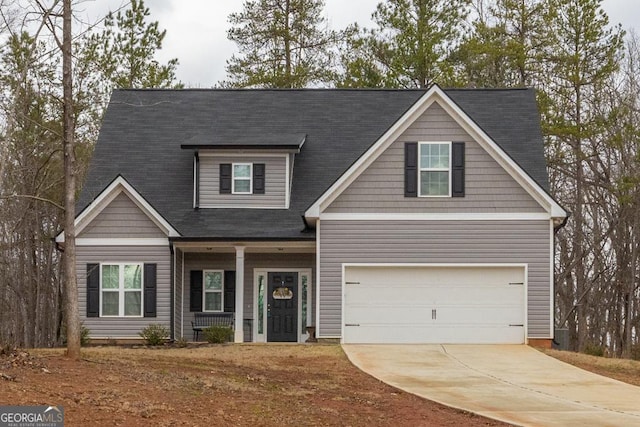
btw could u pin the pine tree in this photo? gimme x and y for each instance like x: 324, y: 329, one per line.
x: 124, y: 51
x: 412, y: 44
x: 506, y: 46
x: 582, y: 56
x: 282, y: 44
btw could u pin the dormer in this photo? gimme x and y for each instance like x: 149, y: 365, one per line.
x: 248, y: 173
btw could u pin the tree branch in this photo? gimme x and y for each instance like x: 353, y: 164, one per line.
x: 27, y: 196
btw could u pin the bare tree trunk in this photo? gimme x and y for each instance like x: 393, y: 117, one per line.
x: 71, y: 288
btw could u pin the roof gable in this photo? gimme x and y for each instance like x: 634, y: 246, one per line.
x: 122, y: 218
x: 105, y: 199
x: 488, y: 187
x: 436, y: 95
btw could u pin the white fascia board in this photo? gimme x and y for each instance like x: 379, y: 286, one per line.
x: 117, y: 186
x: 432, y: 95
x: 500, y: 156
x: 458, y: 216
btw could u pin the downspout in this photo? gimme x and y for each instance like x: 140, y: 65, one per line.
x: 196, y: 180
x: 172, y: 261
x: 557, y: 228
x: 306, y: 228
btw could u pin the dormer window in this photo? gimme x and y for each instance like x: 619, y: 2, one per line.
x: 242, y: 178
x: 242, y: 182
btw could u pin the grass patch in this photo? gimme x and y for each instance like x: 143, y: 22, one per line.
x: 624, y: 370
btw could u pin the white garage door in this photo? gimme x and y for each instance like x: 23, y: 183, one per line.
x: 452, y: 305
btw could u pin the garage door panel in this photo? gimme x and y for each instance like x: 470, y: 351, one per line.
x: 434, y: 304
x: 392, y: 292
x: 424, y: 314
x: 487, y: 315
x: 416, y: 334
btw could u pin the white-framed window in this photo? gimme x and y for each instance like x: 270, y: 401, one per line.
x: 213, y: 290
x: 435, y: 169
x: 241, y: 178
x: 121, y: 289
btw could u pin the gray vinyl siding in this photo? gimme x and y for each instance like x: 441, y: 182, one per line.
x: 125, y: 327
x: 227, y: 261
x: 178, y: 287
x: 122, y: 218
x: 275, y: 183
x: 426, y: 242
x: 489, y: 188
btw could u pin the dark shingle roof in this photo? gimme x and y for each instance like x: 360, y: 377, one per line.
x: 143, y: 131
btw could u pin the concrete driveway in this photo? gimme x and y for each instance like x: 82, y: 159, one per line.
x: 511, y: 383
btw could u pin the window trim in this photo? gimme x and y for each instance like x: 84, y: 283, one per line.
x: 205, y: 291
x: 121, y: 290
x: 424, y: 169
x: 234, y: 178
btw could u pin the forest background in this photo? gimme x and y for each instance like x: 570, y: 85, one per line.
x: 586, y: 71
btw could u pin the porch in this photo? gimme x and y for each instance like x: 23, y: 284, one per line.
x: 272, y: 299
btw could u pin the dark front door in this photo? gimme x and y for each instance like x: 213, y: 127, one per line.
x: 282, y: 307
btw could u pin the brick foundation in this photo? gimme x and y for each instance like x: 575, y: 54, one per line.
x: 540, y: 343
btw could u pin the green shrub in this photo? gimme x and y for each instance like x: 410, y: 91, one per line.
x: 181, y: 342
x: 593, y: 350
x: 84, y: 335
x: 217, y: 334
x: 155, y: 334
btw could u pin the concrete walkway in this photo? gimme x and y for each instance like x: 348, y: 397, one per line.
x: 511, y: 383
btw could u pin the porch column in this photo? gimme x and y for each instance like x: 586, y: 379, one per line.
x: 239, y: 322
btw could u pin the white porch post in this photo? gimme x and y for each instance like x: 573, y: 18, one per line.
x: 239, y: 321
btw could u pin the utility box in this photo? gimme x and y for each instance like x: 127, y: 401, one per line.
x: 561, y: 340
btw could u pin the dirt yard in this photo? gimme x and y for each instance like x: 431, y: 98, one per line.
x: 226, y: 385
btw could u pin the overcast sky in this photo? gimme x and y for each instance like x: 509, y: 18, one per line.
x: 197, y: 29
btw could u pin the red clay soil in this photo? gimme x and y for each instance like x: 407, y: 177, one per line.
x: 223, y: 385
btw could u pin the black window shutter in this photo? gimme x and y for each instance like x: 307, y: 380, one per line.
x: 93, y: 290
x: 225, y: 178
x: 150, y: 286
x: 258, y: 178
x: 457, y: 169
x: 410, y: 169
x: 196, y: 291
x: 229, y: 291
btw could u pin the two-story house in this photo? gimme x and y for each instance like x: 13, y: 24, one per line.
x: 375, y: 216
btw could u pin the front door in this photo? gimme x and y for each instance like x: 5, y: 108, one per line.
x: 282, y: 307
